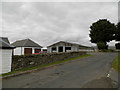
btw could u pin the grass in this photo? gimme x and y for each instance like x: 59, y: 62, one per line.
x: 116, y: 63
x: 45, y: 65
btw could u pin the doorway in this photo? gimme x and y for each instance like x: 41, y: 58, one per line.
x: 27, y: 50
x: 60, y: 49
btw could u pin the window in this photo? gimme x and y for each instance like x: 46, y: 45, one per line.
x: 67, y: 49
x: 37, y: 50
x: 53, y: 48
x: 60, y: 49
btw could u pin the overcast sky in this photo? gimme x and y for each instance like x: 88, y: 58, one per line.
x: 50, y: 22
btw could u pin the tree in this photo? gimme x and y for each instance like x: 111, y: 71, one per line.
x: 117, y: 32
x: 117, y: 35
x: 117, y: 45
x: 102, y: 31
x: 102, y: 45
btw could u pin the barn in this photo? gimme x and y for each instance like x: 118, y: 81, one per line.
x: 63, y: 46
x: 26, y: 46
x: 5, y: 55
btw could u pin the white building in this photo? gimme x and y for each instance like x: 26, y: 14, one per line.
x: 5, y: 55
x: 86, y: 48
x: 26, y: 46
x: 63, y: 46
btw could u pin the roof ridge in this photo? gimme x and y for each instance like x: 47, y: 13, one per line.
x: 26, y: 40
x: 26, y: 43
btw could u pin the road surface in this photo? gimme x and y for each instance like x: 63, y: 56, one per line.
x: 76, y: 74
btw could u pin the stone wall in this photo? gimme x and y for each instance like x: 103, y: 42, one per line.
x: 23, y: 61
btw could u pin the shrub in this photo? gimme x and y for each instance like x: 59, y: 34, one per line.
x: 102, y: 46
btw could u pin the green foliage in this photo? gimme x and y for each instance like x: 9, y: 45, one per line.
x: 117, y: 46
x: 117, y: 32
x: 102, y: 31
x: 102, y: 45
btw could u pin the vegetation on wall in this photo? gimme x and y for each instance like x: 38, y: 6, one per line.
x: 26, y: 61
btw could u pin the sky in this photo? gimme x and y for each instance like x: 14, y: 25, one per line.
x: 50, y: 22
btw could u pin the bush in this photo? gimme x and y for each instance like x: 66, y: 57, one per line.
x: 117, y: 46
x: 102, y: 46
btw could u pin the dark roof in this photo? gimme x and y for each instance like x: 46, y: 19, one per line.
x: 5, y: 39
x: 4, y: 44
x: 26, y: 43
x: 61, y: 42
x: 80, y: 46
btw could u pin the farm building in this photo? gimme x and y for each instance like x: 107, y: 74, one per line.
x: 5, y: 55
x: 63, y: 46
x: 26, y: 46
x: 86, y: 48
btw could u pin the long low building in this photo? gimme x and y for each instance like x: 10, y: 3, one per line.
x: 63, y: 46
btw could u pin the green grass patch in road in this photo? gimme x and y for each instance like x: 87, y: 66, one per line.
x: 46, y: 65
x: 116, y: 63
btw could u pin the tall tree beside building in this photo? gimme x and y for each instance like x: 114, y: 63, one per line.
x: 117, y: 36
x: 102, y: 31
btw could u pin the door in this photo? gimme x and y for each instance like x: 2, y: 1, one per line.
x: 27, y: 50
x: 60, y: 49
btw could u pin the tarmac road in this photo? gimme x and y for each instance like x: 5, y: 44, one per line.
x: 75, y: 74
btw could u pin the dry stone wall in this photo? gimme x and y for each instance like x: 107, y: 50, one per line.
x: 24, y: 61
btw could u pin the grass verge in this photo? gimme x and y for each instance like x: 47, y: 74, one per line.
x: 45, y: 65
x: 116, y: 63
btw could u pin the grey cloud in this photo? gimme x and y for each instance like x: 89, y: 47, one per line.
x: 49, y: 22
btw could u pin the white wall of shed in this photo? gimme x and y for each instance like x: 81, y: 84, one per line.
x: 6, y: 60
x: 33, y: 49
x: 73, y: 48
x: 18, y: 51
x: 87, y: 50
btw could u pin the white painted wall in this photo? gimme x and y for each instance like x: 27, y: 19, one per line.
x: 73, y: 48
x: 20, y: 50
x: 5, y: 62
x: 49, y: 49
x: 17, y: 51
x: 87, y: 50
